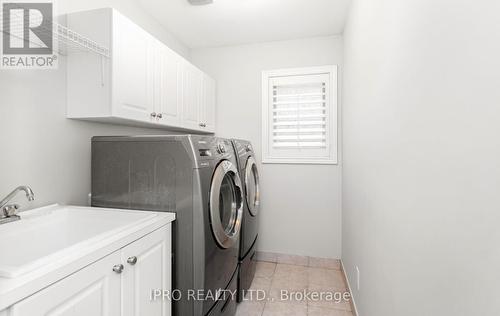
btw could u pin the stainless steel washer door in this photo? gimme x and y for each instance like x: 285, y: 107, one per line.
x: 226, y: 204
x: 252, y: 186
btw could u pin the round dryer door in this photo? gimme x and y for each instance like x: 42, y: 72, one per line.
x: 226, y: 204
x: 252, y: 186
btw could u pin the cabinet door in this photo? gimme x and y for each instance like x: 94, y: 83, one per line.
x: 207, y: 108
x: 148, y: 267
x: 192, y: 90
x: 132, y: 80
x: 94, y: 290
x: 168, y: 87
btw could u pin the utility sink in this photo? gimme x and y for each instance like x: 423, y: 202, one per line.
x: 45, y: 235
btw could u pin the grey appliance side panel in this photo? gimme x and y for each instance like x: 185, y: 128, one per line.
x: 198, y: 248
x: 243, y: 149
x: 152, y: 176
x: 143, y: 174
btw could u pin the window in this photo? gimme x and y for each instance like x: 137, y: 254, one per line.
x: 299, y: 115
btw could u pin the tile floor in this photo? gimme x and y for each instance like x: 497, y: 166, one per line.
x: 316, y: 276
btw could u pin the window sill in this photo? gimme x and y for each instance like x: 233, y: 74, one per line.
x: 301, y: 161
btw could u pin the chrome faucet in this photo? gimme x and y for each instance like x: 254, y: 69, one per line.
x: 9, y: 211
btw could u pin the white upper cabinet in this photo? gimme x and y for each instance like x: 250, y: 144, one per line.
x: 168, y: 87
x: 207, y: 109
x: 193, y: 81
x: 199, y: 100
x: 142, y: 83
x: 133, y: 70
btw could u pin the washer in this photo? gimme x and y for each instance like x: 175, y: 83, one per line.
x: 197, y: 178
x: 249, y: 174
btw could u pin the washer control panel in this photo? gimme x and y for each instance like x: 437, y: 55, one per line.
x: 221, y: 148
x: 213, y: 147
x: 205, y: 152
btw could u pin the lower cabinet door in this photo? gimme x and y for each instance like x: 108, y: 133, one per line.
x: 148, y: 267
x: 94, y: 290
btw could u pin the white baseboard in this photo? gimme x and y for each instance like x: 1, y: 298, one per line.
x: 305, y: 261
x: 353, y: 301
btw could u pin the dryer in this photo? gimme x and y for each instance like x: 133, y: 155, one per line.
x: 197, y: 178
x: 249, y: 174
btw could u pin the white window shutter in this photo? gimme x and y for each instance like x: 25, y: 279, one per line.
x: 300, y: 116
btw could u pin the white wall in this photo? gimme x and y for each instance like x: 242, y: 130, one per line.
x: 39, y: 146
x: 421, y: 172
x: 132, y: 10
x: 300, y: 203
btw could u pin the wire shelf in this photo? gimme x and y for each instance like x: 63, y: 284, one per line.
x: 71, y: 41
x: 66, y: 41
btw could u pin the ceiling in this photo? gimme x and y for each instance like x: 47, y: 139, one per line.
x: 234, y: 22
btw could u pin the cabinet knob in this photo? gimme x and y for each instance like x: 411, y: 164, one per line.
x: 153, y: 114
x: 118, y: 268
x: 203, y: 125
x: 132, y: 260
x: 159, y: 115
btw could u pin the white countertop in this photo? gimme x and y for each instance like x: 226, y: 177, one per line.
x: 52, y: 242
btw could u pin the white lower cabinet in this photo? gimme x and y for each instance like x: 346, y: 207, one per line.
x: 118, y: 284
x: 148, y: 267
x: 94, y: 290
